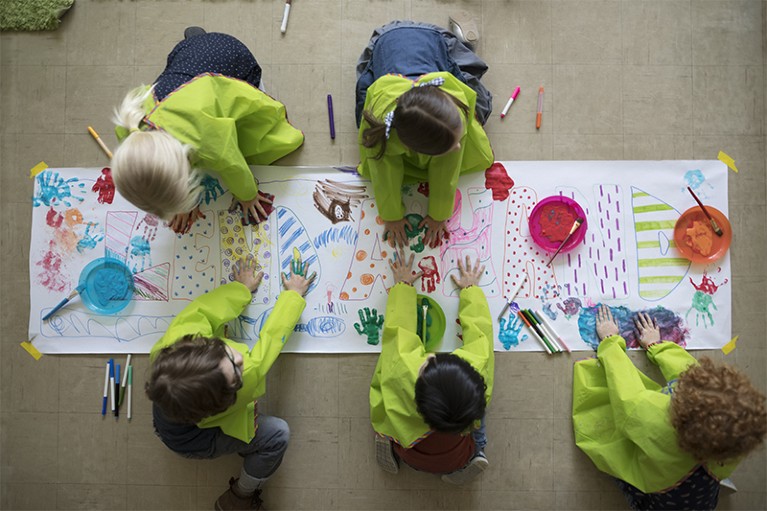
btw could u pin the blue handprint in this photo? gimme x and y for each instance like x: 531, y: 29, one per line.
x: 509, y: 332
x: 89, y: 239
x: 211, y: 188
x: 53, y: 189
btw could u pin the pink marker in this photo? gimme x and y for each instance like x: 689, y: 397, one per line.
x: 508, y: 104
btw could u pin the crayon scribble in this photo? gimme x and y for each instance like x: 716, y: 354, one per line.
x: 89, y: 240
x: 346, y: 234
x: 105, y: 186
x: 430, y: 277
x: 211, y: 188
x: 703, y: 299
x: 498, y: 180
x: 509, y: 332
x: 52, y: 189
x: 570, y: 307
x: 323, y: 326
x: 670, y: 325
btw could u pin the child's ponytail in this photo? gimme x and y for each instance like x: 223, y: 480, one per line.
x: 130, y: 113
x: 375, y: 134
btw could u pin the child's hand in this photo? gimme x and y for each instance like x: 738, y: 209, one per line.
x: 245, y: 273
x: 469, y: 276
x: 394, y: 232
x: 183, y: 222
x: 403, y: 271
x: 255, y: 208
x: 435, y: 231
x: 606, y: 325
x: 297, y: 280
x: 646, y: 329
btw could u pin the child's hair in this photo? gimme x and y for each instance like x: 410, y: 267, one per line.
x: 717, y: 413
x: 450, y: 394
x: 151, y: 169
x: 187, y: 382
x: 427, y: 120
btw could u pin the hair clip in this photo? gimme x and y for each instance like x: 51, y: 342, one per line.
x: 435, y: 82
x: 388, y: 119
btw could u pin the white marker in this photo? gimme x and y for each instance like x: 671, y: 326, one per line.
x: 285, y: 14
x: 513, y: 295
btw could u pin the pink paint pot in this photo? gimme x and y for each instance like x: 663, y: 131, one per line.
x: 551, y: 220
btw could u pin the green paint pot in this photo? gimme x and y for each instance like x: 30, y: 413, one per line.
x: 435, y: 322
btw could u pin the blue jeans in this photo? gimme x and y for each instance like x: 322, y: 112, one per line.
x: 480, y: 438
x: 262, y: 455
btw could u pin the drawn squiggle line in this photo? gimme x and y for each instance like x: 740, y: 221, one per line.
x: 346, y: 234
x: 122, y: 329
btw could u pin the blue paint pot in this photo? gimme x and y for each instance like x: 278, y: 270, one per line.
x: 107, y: 285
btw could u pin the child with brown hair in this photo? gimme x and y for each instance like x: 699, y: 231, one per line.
x: 204, y: 386
x: 667, y: 446
x: 420, y: 112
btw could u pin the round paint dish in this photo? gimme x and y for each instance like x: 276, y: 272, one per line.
x: 551, y: 220
x: 695, y: 237
x: 107, y: 285
x: 435, y: 322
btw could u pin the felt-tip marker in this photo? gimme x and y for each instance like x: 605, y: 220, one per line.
x: 509, y: 102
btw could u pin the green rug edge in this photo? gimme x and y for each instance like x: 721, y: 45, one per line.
x: 32, y: 15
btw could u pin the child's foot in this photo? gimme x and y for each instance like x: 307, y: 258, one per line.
x: 231, y: 499
x: 193, y: 31
x: 476, y: 466
x: 464, y: 27
x: 385, y: 455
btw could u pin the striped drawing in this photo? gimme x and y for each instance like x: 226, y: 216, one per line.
x: 291, y: 234
x: 117, y: 234
x: 152, y: 283
x: 660, y: 269
x: 238, y: 241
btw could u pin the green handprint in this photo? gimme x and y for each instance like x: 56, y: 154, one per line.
x: 370, y: 323
x: 415, y: 233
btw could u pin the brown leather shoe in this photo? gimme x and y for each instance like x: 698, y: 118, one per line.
x: 231, y: 500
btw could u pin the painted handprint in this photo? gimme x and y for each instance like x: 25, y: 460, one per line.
x: 509, y: 332
x: 89, y: 240
x: 369, y: 325
x: 53, y: 189
x: 150, y: 223
x: 211, y: 189
x: 431, y: 276
x: 105, y: 186
x: 414, y: 232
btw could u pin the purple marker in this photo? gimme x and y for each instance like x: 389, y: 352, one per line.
x: 330, y: 118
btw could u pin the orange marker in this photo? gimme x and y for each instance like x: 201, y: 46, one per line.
x: 101, y: 144
x: 540, y: 109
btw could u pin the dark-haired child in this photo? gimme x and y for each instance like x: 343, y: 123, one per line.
x: 428, y: 410
x: 667, y: 446
x: 204, y: 386
x: 420, y: 112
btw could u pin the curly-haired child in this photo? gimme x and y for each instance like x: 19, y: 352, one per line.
x: 667, y: 446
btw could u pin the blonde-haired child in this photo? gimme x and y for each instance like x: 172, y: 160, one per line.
x: 204, y: 112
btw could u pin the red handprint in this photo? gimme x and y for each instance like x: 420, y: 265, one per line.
x: 105, y: 186
x: 430, y: 277
x: 150, y: 226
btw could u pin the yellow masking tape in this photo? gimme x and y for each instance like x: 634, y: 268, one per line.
x: 727, y: 348
x: 725, y: 158
x: 37, y: 169
x: 31, y: 350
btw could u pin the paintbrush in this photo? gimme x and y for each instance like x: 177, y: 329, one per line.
x: 717, y: 230
x: 576, y: 224
x: 425, y: 308
x: 62, y: 303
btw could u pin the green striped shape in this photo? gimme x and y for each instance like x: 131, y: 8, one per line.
x: 652, y: 207
x: 654, y: 244
x: 653, y: 293
x: 655, y: 226
x: 641, y: 194
x: 664, y: 279
x: 670, y: 261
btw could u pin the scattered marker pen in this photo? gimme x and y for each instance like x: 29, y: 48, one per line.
x: 106, y: 392
x: 285, y: 14
x: 117, y: 390
x: 331, y: 118
x: 539, y: 115
x: 509, y: 102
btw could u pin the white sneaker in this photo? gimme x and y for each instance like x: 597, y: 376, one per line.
x: 385, y: 455
x: 464, y: 27
x: 476, y: 466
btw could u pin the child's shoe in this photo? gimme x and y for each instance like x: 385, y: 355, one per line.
x: 231, y: 500
x: 464, y: 27
x: 193, y: 31
x: 476, y: 466
x: 385, y: 455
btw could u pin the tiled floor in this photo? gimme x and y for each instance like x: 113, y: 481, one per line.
x: 625, y: 79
